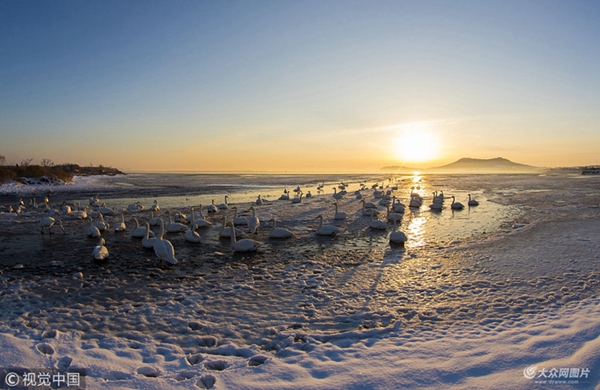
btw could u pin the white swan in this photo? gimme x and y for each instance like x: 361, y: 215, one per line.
x: 259, y: 201
x: 436, y: 207
x: 102, y: 225
x: 211, y: 208
x: 279, y: 232
x: 456, y: 205
x: 336, y: 195
x: 326, y: 230
x: 155, y: 206
x: 147, y: 241
x: 163, y: 248
x: 397, y: 237
x: 367, y: 211
x: 243, y: 245
x: 154, y: 221
x: 191, y: 235
x: 174, y: 227
x: 201, y: 222
x: 339, y: 215
x: 100, y: 252
x: 398, y: 207
x: 298, y: 199
x: 225, y: 231
x: 224, y: 206
x: 140, y: 232
x: 285, y: 196
x: 48, y: 222
x: 393, y: 216
x: 238, y: 220
x: 472, y: 201
x: 92, y: 231
x: 82, y: 214
x: 376, y: 223
x: 121, y: 227
x: 253, y: 221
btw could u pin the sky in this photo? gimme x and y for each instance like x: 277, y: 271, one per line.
x: 299, y: 86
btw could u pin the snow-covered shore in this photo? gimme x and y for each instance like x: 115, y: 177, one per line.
x: 506, y: 309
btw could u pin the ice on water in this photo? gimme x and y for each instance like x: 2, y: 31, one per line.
x: 518, y: 273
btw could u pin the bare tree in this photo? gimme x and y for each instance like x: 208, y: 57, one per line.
x: 26, y: 162
x: 2, y: 160
x: 46, y: 162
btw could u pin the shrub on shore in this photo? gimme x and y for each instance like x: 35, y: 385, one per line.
x: 50, y: 174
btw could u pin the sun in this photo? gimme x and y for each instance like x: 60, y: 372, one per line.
x: 416, y: 145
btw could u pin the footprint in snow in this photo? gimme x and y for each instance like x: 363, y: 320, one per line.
x: 194, y: 359
x: 257, y: 360
x: 216, y: 365
x: 45, y: 348
x: 206, y: 382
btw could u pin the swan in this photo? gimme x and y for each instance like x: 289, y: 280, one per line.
x: 92, y: 231
x: 191, y: 235
x: 48, y: 222
x: 339, y: 215
x: 472, y: 201
x: 259, y: 201
x: 137, y: 206
x: 238, y: 220
x: 377, y: 224
x: 225, y: 231
x: 163, y: 248
x: 243, y: 245
x: 155, y: 206
x: 82, y: 214
x: 298, y: 199
x: 437, y: 198
x: 397, y: 237
x: 308, y: 194
x: 121, y: 227
x: 66, y: 209
x: 211, y: 208
x: 201, y: 222
x: 368, y: 211
x: 105, y: 210
x: 140, y: 232
x: 398, y: 207
x: 326, y: 230
x: 285, y: 196
x: 147, y: 241
x: 224, y: 206
x: 336, y: 195
x: 154, y: 221
x: 415, y: 200
x: 456, y: 205
x: 279, y: 232
x: 174, y: 227
x: 100, y: 252
x: 358, y: 194
x: 436, y: 207
x: 102, y: 225
x: 253, y: 221
x: 393, y: 216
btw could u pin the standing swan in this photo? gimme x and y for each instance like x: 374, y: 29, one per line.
x: 147, y: 241
x: 243, y: 245
x: 100, y: 252
x: 48, y: 222
x: 163, y: 248
x: 253, y: 221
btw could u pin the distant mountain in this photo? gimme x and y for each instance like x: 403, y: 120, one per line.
x: 497, y: 164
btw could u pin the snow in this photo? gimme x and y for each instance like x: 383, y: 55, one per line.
x: 518, y: 299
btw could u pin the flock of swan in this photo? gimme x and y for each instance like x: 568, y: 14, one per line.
x: 188, y: 225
